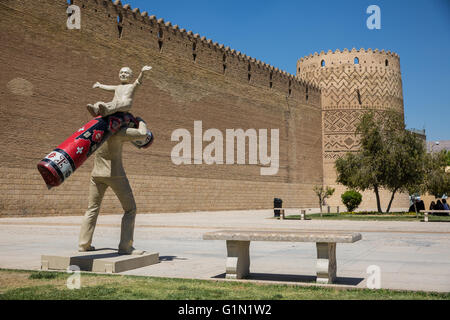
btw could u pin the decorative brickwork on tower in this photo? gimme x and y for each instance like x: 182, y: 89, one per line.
x: 351, y: 83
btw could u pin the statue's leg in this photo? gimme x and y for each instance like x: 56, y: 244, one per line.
x: 122, y: 189
x: 94, y: 108
x: 96, y: 192
x: 103, y: 109
x: 108, y: 108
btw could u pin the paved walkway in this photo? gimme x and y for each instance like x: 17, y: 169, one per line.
x: 411, y: 255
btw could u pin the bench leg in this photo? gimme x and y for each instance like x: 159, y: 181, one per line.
x: 326, y: 262
x: 238, y: 259
x: 425, y: 217
x: 302, y: 214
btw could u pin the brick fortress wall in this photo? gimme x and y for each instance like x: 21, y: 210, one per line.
x: 351, y: 83
x: 47, y: 77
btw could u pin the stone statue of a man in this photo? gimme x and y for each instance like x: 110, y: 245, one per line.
x: 108, y: 170
x: 123, y: 94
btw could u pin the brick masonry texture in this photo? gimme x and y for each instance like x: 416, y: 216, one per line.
x: 46, y: 81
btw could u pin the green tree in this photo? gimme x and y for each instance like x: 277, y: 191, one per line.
x: 390, y: 157
x: 405, y: 162
x: 437, y: 181
x: 322, y: 193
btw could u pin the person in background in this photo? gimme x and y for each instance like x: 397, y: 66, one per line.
x: 445, y: 204
x: 432, y: 205
x: 439, y: 205
x: 420, y: 205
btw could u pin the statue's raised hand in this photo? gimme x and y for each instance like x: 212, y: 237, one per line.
x: 96, y: 85
x: 146, y: 68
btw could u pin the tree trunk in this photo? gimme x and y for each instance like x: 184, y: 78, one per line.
x: 392, y: 199
x: 377, y: 195
x: 320, y: 204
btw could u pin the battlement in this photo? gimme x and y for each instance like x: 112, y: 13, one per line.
x: 354, y: 50
x: 345, y: 58
x: 171, y: 40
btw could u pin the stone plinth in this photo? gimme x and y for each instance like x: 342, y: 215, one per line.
x: 104, y: 260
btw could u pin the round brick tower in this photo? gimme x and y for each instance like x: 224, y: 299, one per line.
x: 352, y: 82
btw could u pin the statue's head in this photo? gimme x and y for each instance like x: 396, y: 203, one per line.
x: 125, y: 75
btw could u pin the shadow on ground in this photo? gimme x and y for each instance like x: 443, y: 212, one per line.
x: 170, y: 258
x: 295, y: 278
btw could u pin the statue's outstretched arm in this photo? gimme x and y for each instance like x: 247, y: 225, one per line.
x: 141, y: 75
x: 104, y: 86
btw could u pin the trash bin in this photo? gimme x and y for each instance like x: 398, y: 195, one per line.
x: 277, y: 203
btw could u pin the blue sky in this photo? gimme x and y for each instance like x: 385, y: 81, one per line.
x: 280, y: 32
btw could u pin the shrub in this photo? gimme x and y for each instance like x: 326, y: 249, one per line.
x: 351, y: 199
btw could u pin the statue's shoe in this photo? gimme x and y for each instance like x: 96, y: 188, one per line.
x: 91, y: 110
x: 83, y: 249
x: 131, y: 251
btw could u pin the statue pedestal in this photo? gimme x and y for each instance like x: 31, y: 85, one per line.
x: 102, y: 260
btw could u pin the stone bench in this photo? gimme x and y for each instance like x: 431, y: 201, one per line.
x: 238, y: 248
x: 283, y: 214
x: 425, y: 212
